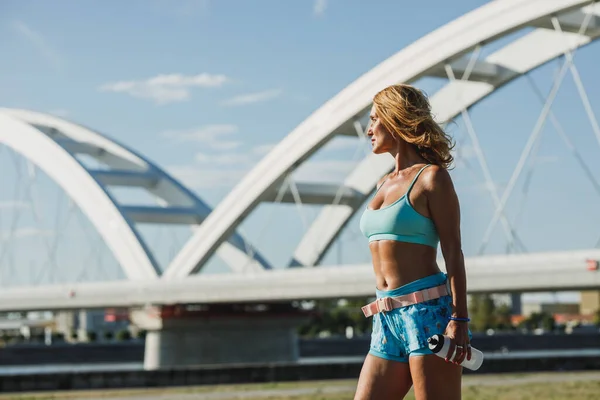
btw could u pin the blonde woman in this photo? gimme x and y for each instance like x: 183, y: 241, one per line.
x: 414, y: 209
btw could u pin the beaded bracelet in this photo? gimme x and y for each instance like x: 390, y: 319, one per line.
x: 459, y: 319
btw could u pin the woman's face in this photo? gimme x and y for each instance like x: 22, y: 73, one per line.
x: 382, y: 141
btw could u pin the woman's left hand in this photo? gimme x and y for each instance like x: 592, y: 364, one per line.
x: 458, y: 332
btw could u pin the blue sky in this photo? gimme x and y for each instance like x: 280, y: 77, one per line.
x: 204, y: 88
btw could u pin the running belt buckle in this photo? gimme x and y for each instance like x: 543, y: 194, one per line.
x: 384, y: 304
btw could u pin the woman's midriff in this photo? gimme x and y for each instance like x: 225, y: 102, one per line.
x: 398, y: 263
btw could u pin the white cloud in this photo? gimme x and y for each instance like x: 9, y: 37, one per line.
x: 221, y: 161
x: 201, y: 134
x: 252, y: 98
x: 319, y: 7
x: 222, y: 171
x: 212, y: 136
x: 219, y: 169
x: 225, y: 144
x: 40, y: 43
x: 163, y: 89
x: 216, y: 137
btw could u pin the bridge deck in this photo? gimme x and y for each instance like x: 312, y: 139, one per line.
x: 553, y: 271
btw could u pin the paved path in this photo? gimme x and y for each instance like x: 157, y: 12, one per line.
x: 318, y: 388
x: 237, y: 395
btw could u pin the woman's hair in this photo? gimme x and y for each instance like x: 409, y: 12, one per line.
x: 405, y: 111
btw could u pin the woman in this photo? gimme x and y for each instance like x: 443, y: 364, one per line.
x: 414, y: 208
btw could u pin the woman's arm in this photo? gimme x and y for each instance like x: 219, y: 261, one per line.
x: 444, y: 209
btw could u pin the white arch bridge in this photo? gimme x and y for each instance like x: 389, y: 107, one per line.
x: 467, y: 60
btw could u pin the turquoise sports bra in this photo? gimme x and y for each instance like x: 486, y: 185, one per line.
x: 399, y: 221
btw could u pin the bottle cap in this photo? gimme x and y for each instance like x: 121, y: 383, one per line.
x: 436, y: 342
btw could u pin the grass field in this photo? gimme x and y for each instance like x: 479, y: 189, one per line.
x: 547, y: 386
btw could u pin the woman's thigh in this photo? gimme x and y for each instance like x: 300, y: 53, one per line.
x: 382, y: 379
x: 434, y: 378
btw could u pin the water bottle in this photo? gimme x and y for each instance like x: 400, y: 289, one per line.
x: 439, y: 345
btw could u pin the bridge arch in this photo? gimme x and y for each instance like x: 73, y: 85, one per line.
x: 53, y: 144
x: 555, y: 28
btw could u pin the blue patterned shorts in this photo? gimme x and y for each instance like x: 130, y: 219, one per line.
x: 404, y: 331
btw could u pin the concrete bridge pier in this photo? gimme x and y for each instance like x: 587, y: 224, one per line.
x: 179, y: 336
x: 516, y: 305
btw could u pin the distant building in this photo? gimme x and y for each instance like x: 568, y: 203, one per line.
x: 590, y: 302
x: 549, y: 308
x: 102, y: 324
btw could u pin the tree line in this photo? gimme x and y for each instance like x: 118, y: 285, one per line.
x: 333, y: 317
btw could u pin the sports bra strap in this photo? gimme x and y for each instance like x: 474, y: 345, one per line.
x: 415, y: 179
x: 382, y: 183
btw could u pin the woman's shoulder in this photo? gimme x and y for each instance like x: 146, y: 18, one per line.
x: 436, y: 178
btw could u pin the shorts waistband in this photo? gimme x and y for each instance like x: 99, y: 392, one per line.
x: 420, y: 284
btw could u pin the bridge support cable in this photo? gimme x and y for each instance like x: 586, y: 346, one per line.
x: 580, y: 87
x: 532, y: 138
x: 7, y: 237
x: 511, y: 235
x: 51, y: 236
x: 37, y: 217
x: 526, y: 184
x: 58, y: 234
x: 298, y: 202
x: 95, y: 253
x: 524, y: 156
x: 577, y: 78
x: 25, y: 185
x: 281, y: 191
x: 568, y: 53
x: 565, y: 137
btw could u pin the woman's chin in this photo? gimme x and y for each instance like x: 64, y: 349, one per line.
x: 377, y: 150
